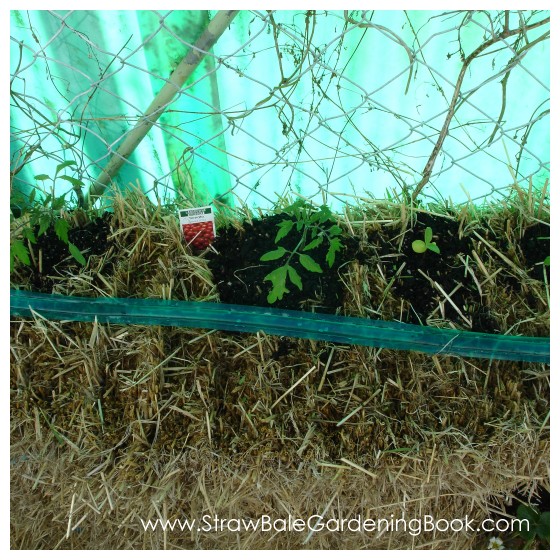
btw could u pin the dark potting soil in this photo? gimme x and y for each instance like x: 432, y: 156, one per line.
x: 422, y: 283
x: 91, y: 239
x: 535, y: 248
x: 239, y: 273
x: 428, y: 279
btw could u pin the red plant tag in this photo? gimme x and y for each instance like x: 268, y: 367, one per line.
x: 198, y: 226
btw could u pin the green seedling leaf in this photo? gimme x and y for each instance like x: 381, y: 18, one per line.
x: 527, y: 512
x: 64, y: 165
x: 543, y: 528
x: 42, y: 177
x: 433, y: 247
x: 27, y: 232
x: 325, y: 213
x: 295, y: 278
x: 316, y: 217
x: 308, y: 263
x: 61, y: 228
x: 295, y: 208
x: 278, y: 279
x: 18, y: 251
x: 274, y: 255
x: 44, y: 223
x: 315, y: 243
x: 72, y: 180
x: 59, y: 202
x: 532, y: 516
x: 32, y: 195
x: 335, y: 230
x: 76, y: 253
x: 418, y: 246
x: 284, y: 227
x: 546, y: 261
x: 334, y: 246
x: 428, y: 236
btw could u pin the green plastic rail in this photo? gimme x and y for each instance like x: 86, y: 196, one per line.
x: 316, y: 326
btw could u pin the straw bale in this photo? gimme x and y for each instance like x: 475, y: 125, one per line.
x: 115, y: 424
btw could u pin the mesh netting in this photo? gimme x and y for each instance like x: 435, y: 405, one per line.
x: 327, y: 105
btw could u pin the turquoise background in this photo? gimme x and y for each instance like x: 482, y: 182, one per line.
x: 348, y: 128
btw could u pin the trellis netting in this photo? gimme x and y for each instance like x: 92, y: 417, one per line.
x: 260, y: 105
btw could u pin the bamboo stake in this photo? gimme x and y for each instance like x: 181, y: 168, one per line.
x: 163, y: 99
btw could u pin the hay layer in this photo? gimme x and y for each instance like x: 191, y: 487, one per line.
x: 113, y: 425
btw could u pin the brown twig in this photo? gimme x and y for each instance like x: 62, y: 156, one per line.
x: 451, y: 111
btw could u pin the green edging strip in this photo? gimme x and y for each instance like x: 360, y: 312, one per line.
x: 300, y: 324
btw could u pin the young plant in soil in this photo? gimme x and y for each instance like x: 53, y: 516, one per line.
x: 419, y: 246
x: 316, y: 228
x: 42, y: 215
x: 536, y: 533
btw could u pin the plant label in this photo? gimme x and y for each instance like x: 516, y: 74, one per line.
x: 198, y: 226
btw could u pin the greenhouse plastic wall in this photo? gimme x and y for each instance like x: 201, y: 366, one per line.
x: 331, y: 105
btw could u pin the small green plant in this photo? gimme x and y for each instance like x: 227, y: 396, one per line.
x: 538, y: 525
x: 314, y: 225
x: 39, y: 215
x: 421, y: 246
x: 546, y: 261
